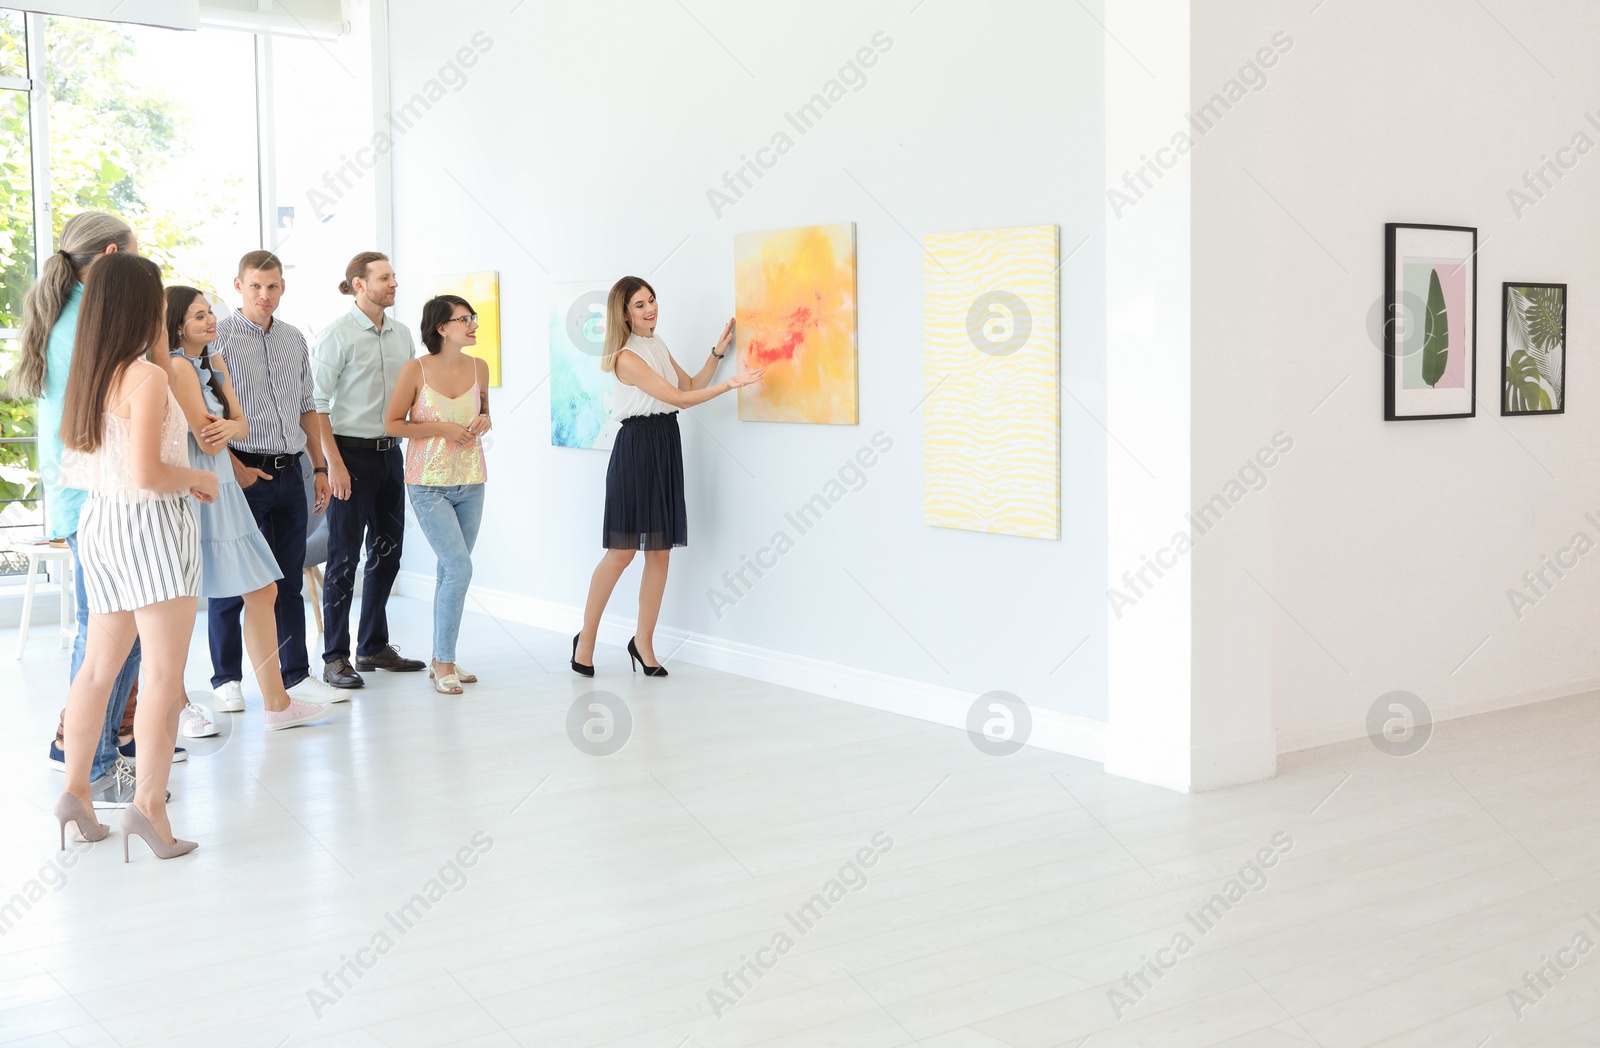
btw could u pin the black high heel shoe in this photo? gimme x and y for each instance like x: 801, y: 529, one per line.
x: 635, y: 657
x: 578, y: 667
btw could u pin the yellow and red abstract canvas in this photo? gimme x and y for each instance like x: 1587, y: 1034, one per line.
x: 795, y: 304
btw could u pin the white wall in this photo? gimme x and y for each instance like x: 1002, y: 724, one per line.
x: 1394, y: 543
x: 582, y: 146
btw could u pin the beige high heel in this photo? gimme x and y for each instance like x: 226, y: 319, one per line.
x: 134, y: 822
x: 86, y: 827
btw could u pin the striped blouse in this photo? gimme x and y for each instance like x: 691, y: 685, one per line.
x: 271, y: 372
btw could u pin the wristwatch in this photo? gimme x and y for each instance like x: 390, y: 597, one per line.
x: 714, y: 353
x: 319, y: 469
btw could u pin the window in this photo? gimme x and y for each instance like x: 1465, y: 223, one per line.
x: 20, y: 507
x: 324, y: 192
x: 168, y: 130
x: 158, y: 126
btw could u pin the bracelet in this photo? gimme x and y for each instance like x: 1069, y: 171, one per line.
x: 714, y: 353
x: 319, y: 469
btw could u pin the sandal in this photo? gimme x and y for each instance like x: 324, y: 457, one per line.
x: 464, y: 677
x: 446, y: 684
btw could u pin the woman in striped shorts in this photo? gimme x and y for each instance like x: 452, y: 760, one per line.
x: 138, y: 541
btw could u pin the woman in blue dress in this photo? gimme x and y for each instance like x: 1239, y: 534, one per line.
x: 235, y: 558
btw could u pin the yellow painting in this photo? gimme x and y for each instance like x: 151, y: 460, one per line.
x: 483, y: 291
x: 795, y: 306
x: 991, y: 363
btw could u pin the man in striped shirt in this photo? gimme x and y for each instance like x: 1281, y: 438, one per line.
x: 271, y: 370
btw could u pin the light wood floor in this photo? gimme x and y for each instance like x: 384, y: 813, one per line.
x: 608, y: 896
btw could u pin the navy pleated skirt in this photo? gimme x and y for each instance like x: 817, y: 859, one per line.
x: 644, y: 486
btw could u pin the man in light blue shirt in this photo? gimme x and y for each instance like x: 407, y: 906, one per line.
x: 354, y: 367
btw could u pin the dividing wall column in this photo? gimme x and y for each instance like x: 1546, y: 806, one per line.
x: 1171, y: 718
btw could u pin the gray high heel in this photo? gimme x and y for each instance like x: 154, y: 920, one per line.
x: 71, y: 809
x: 134, y: 822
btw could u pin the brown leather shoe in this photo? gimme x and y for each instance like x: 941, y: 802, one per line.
x: 389, y: 659
x: 338, y: 673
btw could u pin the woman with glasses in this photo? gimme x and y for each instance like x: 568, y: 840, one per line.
x: 441, y: 405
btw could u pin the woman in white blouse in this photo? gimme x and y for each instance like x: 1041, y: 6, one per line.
x: 644, y: 481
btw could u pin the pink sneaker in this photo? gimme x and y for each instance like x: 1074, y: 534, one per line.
x: 296, y: 713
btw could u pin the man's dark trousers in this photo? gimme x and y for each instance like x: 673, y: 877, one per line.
x: 375, y: 513
x: 281, y: 512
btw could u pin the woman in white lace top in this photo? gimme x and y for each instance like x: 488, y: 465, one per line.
x: 138, y: 541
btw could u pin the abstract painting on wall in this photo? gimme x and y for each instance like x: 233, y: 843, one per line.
x: 1533, y: 349
x: 580, y: 393
x: 483, y: 291
x: 991, y: 427
x: 1430, y: 330
x: 795, y: 303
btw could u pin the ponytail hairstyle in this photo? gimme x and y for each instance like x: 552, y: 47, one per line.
x: 357, y: 270
x: 179, y: 298
x: 617, y: 330
x: 435, y: 314
x: 85, y: 237
x: 119, y: 321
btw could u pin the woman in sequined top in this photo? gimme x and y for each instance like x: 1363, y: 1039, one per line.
x: 441, y: 406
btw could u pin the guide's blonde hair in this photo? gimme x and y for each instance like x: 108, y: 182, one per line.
x: 617, y: 330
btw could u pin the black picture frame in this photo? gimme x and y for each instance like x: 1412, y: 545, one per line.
x: 1395, y: 324
x: 1505, y: 346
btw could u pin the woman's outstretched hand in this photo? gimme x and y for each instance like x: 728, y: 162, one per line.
x: 727, y: 337
x: 747, y: 378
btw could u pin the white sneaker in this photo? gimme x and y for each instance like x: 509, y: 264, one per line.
x: 194, y: 722
x: 314, y: 691
x: 230, y: 697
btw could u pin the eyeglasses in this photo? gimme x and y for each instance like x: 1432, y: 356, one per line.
x: 471, y: 318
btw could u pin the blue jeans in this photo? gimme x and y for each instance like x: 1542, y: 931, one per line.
x: 280, y: 509
x: 107, y: 751
x: 449, y: 518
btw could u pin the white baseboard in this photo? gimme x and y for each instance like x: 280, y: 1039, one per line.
x: 1052, y: 730
x: 46, y: 607
x: 1325, y: 735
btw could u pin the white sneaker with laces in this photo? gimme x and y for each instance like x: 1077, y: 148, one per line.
x: 230, y: 697
x: 297, y: 713
x: 194, y: 722
x: 315, y: 691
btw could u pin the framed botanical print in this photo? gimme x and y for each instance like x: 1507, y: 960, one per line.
x: 1430, y: 352
x: 1533, y: 349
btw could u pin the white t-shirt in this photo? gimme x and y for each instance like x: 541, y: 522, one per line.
x: 631, y: 400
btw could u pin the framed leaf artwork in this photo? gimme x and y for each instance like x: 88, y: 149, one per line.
x: 1533, y: 349
x: 1430, y: 343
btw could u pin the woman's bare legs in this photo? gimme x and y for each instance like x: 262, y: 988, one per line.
x: 601, y: 583
x: 651, y: 587
x: 164, y: 630
x: 261, y: 641
x: 109, y: 641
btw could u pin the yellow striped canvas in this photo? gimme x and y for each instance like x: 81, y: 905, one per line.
x: 991, y: 357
